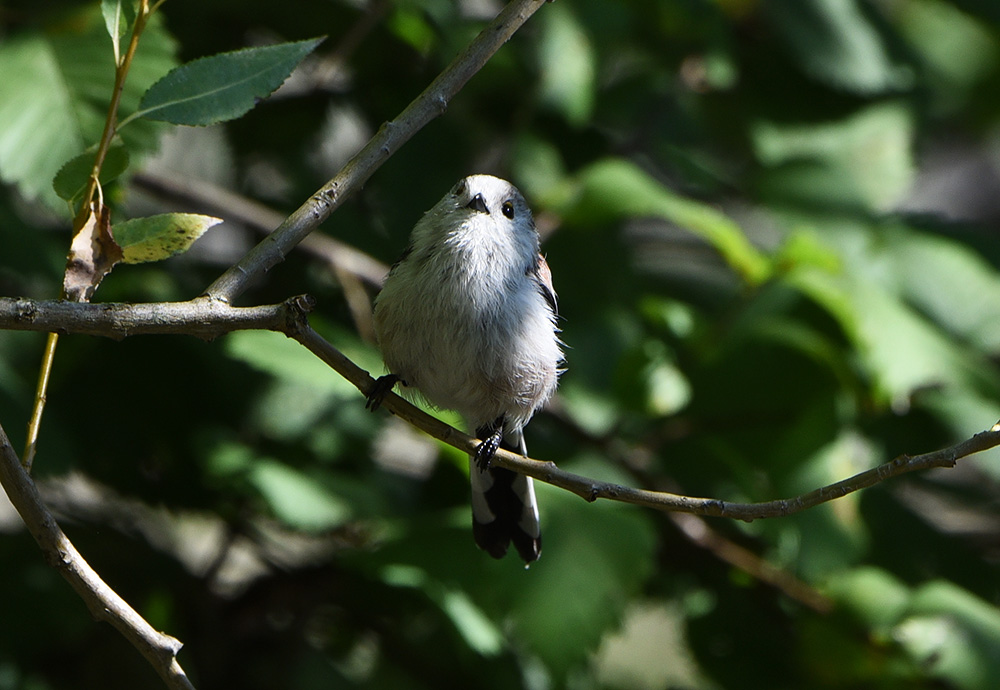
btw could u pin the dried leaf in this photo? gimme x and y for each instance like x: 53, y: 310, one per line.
x: 92, y: 255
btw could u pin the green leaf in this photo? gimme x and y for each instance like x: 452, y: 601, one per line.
x: 958, y: 52
x: 478, y: 631
x: 287, y: 360
x: 872, y: 595
x: 596, y: 556
x: 903, y: 350
x: 647, y: 376
x: 614, y: 189
x: 222, y: 87
x: 72, y: 178
x: 297, y: 499
x: 950, y: 283
x: 953, y: 635
x: 566, y: 62
x: 864, y: 160
x: 159, y: 237
x: 54, y: 97
x: 900, y: 349
x: 118, y: 18
x: 833, y: 41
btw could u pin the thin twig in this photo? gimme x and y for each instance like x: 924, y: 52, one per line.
x: 41, y: 395
x: 698, y: 532
x: 104, y: 604
x: 389, y: 138
x: 591, y: 489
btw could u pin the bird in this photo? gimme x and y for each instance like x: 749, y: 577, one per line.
x: 467, y: 319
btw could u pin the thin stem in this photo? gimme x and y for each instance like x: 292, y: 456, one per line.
x: 41, y: 391
x: 111, y: 120
x: 93, y: 187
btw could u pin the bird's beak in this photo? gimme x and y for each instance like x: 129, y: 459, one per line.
x: 477, y: 204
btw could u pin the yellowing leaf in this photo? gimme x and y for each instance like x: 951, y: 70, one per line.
x: 159, y: 237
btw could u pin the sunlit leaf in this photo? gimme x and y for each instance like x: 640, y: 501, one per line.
x: 285, y: 359
x: 297, y: 499
x: 54, y: 97
x: 566, y: 62
x: 954, y: 635
x: 835, y: 41
x: 865, y: 160
x: 614, y: 189
x: 950, y: 283
x: 155, y: 238
x: 874, y: 596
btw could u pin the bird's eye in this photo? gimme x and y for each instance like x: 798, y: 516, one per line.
x: 460, y: 188
x: 508, y: 209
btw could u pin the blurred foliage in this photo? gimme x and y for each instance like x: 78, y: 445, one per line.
x: 773, y: 228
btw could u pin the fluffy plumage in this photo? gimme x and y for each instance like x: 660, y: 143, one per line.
x: 468, y: 319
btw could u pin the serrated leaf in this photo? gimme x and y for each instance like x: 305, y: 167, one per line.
x: 54, y: 96
x: 222, y: 87
x: 72, y: 178
x: 155, y: 238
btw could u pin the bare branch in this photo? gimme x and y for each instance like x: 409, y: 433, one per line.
x: 104, y: 604
x: 390, y: 137
x: 697, y: 530
x: 199, y: 317
x: 592, y: 490
x: 208, y: 319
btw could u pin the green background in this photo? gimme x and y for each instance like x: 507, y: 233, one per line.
x: 773, y: 229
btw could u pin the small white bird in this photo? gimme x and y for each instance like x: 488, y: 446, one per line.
x: 467, y: 317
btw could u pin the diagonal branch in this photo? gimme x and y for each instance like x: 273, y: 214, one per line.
x: 390, y: 137
x: 591, y: 489
x: 104, y: 603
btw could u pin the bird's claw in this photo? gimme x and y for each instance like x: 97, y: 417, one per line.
x: 381, y: 388
x: 487, y: 449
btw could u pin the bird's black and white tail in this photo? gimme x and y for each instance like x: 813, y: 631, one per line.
x: 504, y: 508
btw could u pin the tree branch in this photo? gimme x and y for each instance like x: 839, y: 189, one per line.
x: 390, y: 137
x: 208, y: 319
x: 104, y: 604
x: 206, y: 197
x: 591, y: 489
x: 199, y: 317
